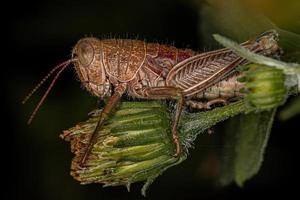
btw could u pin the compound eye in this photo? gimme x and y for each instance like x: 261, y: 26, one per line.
x: 85, y: 53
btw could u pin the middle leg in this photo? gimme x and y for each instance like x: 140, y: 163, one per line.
x: 169, y: 93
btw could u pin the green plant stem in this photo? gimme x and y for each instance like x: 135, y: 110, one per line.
x: 194, y: 123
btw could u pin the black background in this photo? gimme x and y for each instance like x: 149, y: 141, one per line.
x: 42, y: 34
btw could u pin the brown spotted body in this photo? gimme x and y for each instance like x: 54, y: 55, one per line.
x: 144, y: 65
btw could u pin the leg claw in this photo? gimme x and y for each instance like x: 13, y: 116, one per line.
x: 177, y: 145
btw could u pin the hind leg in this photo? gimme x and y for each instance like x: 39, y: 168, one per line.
x: 205, y: 105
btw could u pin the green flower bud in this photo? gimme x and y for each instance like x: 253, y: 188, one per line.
x: 134, y: 145
x: 264, y: 87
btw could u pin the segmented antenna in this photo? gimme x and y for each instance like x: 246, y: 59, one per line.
x: 44, y: 79
x: 63, y: 66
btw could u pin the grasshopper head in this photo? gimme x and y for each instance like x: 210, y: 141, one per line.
x: 87, y: 60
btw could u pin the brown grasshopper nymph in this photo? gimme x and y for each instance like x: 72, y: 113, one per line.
x: 110, y: 68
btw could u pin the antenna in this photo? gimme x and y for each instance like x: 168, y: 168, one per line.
x: 62, y: 67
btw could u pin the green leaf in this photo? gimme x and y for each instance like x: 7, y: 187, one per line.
x: 245, y: 142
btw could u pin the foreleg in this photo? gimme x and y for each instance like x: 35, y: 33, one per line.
x: 111, y: 103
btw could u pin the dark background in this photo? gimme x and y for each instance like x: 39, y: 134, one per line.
x: 42, y: 34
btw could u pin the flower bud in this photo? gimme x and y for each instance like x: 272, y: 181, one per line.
x: 134, y: 145
x: 264, y: 87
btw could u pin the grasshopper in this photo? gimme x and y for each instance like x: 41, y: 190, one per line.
x: 110, y: 68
